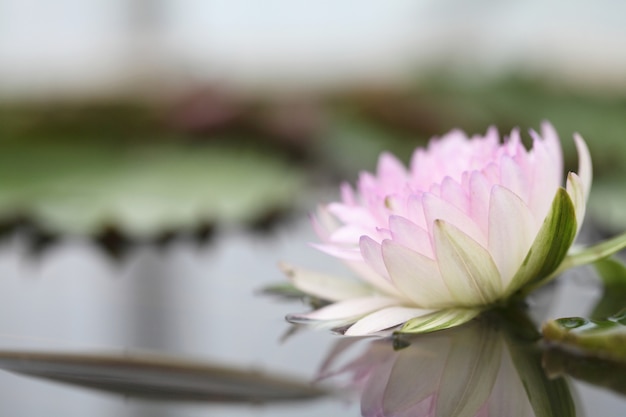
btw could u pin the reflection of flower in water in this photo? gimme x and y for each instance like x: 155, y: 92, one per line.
x: 469, y: 224
x: 474, y: 370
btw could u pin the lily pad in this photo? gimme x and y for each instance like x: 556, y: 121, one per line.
x: 143, y: 190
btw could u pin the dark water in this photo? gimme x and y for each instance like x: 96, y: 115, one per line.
x: 200, y: 304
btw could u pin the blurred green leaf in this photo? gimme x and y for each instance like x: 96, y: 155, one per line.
x: 142, y: 189
x: 607, y: 202
x: 613, y: 300
x: 604, y: 339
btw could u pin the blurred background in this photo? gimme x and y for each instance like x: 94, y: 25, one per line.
x: 158, y: 157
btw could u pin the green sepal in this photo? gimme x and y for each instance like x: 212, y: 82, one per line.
x: 550, y: 246
x: 440, y: 320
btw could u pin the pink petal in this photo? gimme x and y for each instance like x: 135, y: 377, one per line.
x: 452, y: 192
x: 553, y: 145
x: 390, y: 169
x: 352, y: 214
x: 480, y: 194
x: 513, y: 177
x: 347, y: 194
x: 324, y: 223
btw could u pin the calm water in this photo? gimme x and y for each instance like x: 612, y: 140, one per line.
x: 201, y: 303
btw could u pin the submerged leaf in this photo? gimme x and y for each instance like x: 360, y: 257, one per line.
x: 604, y: 373
x: 158, y: 377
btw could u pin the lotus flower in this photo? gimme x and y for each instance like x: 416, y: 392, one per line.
x: 470, y: 223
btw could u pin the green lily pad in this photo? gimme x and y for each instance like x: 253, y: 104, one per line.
x: 142, y: 189
x: 604, y: 339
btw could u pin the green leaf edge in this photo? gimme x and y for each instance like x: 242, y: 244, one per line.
x: 593, y: 253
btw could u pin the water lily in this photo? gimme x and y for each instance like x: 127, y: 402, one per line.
x: 470, y: 223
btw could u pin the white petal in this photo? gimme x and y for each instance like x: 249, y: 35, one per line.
x: 408, y: 234
x: 416, y: 276
x: 348, y: 309
x: 384, y: 319
x: 512, y: 230
x: 326, y: 287
x: 585, y: 169
x: 466, y: 267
